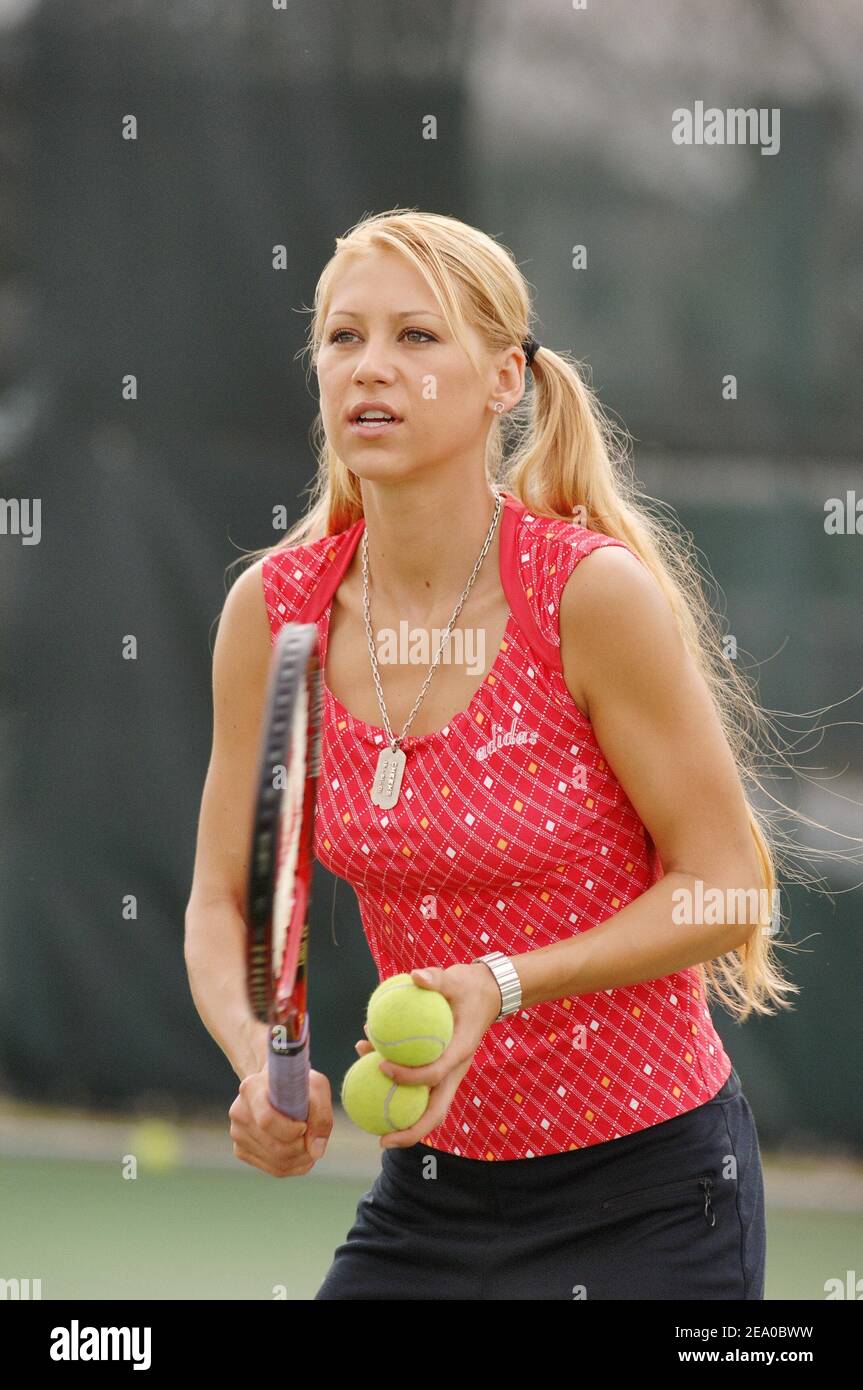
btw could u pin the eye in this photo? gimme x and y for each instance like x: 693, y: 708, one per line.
x: 336, y: 336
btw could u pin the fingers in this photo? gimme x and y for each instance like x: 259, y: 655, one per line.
x: 430, y: 1075
x: 433, y: 1073
x: 460, y: 985
x: 279, y: 1159
x: 262, y: 1142
x: 431, y: 1117
x: 295, y: 1169
x: 320, y: 1123
x: 266, y: 1118
x: 275, y: 1143
x: 440, y: 1099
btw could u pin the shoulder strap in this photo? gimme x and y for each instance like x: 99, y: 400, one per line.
x: 339, y: 555
x: 510, y: 574
x: 536, y: 573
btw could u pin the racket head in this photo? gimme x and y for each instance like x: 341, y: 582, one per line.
x: 281, y: 856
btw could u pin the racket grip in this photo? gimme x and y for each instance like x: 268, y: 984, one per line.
x: 288, y: 1072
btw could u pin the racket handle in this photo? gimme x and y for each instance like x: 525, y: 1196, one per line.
x: 288, y: 1071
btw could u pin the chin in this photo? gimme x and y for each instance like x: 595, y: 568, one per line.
x: 372, y: 465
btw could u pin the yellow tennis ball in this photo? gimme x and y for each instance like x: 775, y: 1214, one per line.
x: 156, y: 1144
x: 408, y: 1024
x: 376, y: 1103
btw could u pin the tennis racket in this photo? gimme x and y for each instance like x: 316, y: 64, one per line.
x: 281, y: 861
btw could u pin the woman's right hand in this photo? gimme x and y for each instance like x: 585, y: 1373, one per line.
x: 273, y: 1142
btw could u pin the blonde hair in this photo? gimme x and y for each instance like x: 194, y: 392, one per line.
x: 560, y: 454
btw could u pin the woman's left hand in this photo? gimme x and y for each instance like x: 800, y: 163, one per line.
x: 474, y: 998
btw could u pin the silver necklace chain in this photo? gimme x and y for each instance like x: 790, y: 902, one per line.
x: 396, y: 742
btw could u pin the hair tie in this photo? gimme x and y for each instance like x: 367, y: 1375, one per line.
x: 530, y: 347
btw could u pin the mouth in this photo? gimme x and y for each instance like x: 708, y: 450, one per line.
x: 373, y: 427
x: 372, y: 421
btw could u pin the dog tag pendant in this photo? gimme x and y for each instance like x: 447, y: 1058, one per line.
x: 388, y: 777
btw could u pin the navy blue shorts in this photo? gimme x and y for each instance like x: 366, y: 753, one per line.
x: 675, y: 1211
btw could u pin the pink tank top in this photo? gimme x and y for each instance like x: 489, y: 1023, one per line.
x: 511, y: 832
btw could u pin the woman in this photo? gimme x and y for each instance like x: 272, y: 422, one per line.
x: 566, y: 851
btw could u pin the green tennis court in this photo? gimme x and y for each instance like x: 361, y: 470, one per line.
x: 194, y: 1230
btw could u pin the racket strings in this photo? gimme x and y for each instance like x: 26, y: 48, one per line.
x: 290, y: 826
x: 283, y: 831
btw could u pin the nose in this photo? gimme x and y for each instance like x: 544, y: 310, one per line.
x: 370, y: 364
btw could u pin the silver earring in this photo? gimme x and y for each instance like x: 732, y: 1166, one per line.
x: 498, y: 406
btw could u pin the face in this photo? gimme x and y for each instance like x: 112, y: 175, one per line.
x: 384, y: 340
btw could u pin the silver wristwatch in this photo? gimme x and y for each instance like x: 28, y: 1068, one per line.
x: 507, y: 979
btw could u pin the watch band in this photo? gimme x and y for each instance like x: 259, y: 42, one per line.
x: 508, y: 982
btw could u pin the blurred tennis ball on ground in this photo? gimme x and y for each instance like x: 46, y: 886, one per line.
x: 375, y: 1103
x: 156, y: 1144
x: 408, y: 1024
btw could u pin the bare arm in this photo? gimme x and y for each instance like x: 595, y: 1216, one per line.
x: 215, y: 926
x: 627, y: 667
